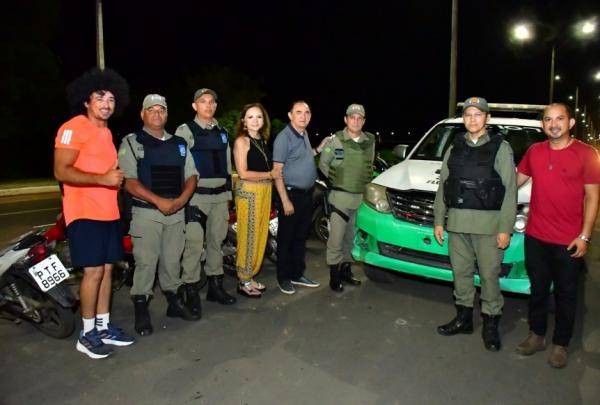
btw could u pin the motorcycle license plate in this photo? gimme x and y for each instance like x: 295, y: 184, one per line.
x: 49, y: 273
x: 273, y: 225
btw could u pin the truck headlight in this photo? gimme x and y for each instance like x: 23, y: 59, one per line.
x: 521, y: 218
x: 376, y: 197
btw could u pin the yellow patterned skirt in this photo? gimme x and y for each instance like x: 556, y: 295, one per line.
x: 252, y: 205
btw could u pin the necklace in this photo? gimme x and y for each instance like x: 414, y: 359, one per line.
x: 550, y: 163
x: 259, y: 143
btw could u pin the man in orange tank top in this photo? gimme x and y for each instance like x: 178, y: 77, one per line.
x: 85, y: 161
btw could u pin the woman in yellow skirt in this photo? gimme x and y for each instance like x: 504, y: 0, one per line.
x: 254, y: 167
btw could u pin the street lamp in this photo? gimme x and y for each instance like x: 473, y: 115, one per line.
x: 523, y: 32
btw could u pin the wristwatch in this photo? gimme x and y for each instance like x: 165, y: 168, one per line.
x: 585, y: 239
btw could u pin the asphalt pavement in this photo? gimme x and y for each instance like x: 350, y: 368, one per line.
x: 373, y: 344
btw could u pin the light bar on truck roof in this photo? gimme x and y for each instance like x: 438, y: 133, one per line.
x: 530, y: 108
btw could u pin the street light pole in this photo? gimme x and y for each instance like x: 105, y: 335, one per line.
x: 551, y: 98
x: 453, y: 57
x: 99, y: 36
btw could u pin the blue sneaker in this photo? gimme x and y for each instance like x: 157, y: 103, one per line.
x: 115, y: 336
x: 91, y: 344
x: 286, y: 287
x: 305, y: 282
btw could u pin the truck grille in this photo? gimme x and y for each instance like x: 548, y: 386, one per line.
x: 412, y: 206
x: 428, y: 259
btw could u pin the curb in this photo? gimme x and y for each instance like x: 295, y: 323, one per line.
x: 29, y: 190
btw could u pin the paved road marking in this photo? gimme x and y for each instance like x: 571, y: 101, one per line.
x: 29, y: 211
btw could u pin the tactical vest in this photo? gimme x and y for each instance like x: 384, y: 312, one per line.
x: 161, y: 170
x: 473, y: 183
x: 356, y: 168
x: 209, y: 151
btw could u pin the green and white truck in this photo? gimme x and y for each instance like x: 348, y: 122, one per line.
x: 395, y: 221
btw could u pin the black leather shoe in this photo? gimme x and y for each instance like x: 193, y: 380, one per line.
x: 177, y: 308
x: 489, y: 332
x: 217, y: 293
x: 462, y: 323
x: 142, y: 317
x: 335, y: 278
x: 347, y: 276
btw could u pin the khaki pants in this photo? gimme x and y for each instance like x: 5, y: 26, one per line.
x: 341, y: 237
x: 216, y: 230
x: 156, y: 243
x: 464, y: 249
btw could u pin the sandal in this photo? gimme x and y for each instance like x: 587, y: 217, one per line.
x: 258, y: 286
x: 247, y: 290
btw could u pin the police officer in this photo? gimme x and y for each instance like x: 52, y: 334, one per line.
x: 208, y: 214
x: 348, y: 163
x: 477, y: 192
x: 161, y: 177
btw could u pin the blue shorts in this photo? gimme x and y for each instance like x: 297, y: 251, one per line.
x: 95, y: 243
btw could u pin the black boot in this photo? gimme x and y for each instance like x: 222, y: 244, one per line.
x: 142, y: 316
x: 347, y: 276
x: 335, y: 278
x: 217, y: 293
x: 489, y: 332
x: 462, y: 323
x: 191, y: 298
x: 177, y: 308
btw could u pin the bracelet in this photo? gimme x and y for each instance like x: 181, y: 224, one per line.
x: 585, y: 239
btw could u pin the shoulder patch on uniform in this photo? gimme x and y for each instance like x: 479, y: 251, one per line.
x: 123, y: 151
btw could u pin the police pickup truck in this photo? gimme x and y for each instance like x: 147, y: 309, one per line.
x: 395, y: 221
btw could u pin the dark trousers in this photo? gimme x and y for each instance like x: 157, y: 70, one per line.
x: 292, y: 234
x: 549, y: 264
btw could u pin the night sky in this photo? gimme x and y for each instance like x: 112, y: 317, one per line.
x: 391, y: 56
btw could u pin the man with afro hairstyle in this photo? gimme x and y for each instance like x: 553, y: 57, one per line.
x: 85, y: 161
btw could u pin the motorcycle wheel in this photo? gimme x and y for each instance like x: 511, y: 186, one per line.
x: 321, y: 224
x: 56, y: 321
x: 229, y: 248
x: 271, y: 249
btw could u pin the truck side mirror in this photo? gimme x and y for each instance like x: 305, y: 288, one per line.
x: 400, y: 151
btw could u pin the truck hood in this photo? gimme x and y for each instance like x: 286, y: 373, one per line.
x: 424, y: 175
x: 421, y: 175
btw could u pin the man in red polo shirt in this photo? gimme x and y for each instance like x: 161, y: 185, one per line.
x: 564, y: 205
x: 85, y: 161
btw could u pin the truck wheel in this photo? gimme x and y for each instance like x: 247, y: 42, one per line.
x: 378, y: 274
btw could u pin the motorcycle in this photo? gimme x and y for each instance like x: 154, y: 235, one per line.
x: 321, y: 213
x: 33, y: 288
x: 123, y: 270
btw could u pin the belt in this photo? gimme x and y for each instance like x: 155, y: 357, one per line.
x: 299, y: 190
x: 142, y: 204
x: 211, y: 190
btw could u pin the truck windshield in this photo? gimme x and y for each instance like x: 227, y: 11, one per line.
x: 440, y: 138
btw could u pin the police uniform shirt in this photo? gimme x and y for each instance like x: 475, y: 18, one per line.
x: 184, y: 131
x: 331, y: 156
x: 128, y: 163
x: 481, y: 222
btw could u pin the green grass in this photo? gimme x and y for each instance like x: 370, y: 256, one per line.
x: 27, y: 183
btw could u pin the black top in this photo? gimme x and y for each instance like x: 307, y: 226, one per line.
x: 259, y: 157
